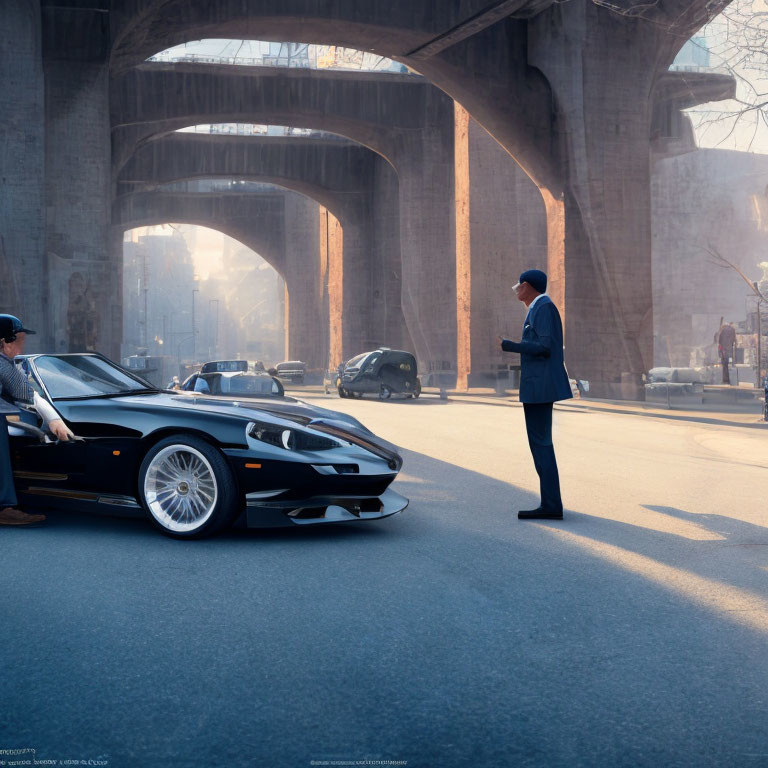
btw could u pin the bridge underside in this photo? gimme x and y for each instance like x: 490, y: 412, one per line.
x: 571, y: 91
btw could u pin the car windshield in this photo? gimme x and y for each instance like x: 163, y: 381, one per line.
x: 84, y: 376
x: 248, y: 385
x: 355, y: 361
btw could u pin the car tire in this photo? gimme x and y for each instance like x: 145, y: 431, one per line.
x: 342, y: 392
x: 187, y: 488
x: 385, y: 392
x: 417, y: 389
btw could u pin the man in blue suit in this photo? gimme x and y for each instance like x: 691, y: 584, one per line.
x: 543, y: 381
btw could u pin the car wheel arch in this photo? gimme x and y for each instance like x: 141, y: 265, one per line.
x: 161, y: 433
x: 153, y: 438
x: 170, y: 434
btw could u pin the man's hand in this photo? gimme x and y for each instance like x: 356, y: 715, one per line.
x: 60, y: 430
x: 499, y: 340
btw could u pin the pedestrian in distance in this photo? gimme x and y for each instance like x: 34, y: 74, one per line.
x: 543, y: 381
x: 14, y: 388
x: 726, y: 341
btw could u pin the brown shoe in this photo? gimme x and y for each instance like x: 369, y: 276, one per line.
x: 13, y: 516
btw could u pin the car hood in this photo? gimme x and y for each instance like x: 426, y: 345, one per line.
x: 287, y: 406
x: 126, y: 409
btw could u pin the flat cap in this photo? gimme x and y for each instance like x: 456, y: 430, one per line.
x: 535, y: 278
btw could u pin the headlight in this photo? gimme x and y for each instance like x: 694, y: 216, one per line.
x: 289, y: 439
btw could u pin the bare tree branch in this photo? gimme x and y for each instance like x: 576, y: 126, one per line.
x: 721, y: 261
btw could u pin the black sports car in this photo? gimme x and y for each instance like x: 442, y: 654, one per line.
x: 194, y: 463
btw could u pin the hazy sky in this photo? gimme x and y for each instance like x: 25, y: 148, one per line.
x: 730, y: 124
x: 206, y: 246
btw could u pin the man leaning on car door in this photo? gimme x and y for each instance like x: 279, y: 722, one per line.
x: 14, y: 387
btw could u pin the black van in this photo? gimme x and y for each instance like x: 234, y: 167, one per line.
x: 383, y: 372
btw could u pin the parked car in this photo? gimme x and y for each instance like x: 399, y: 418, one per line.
x: 383, y: 372
x: 258, y: 387
x: 194, y: 464
x: 232, y: 377
x: 293, y: 371
x: 224, y: 366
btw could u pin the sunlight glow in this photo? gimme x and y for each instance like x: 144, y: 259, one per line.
x: 736, y: 604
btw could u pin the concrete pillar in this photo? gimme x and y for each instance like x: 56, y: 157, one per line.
x: 388, y: 326
x: 507, y: 234
x: 604, y: 214
x: 22, y: 159
x: 307, y: 335
x: 332, y: 248
x: 77, y: 197
x: 425, y: 163
x: 463, y: 248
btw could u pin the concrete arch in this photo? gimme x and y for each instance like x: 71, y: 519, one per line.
x: 431, y: 37
x: 255, y: 220
x: 372, y: 109
x: 259, y: 221
x: 233, y: 338
x: 404, y: 118
x: 400, y: 26
x: 334, y: 173
x: 352, y: 182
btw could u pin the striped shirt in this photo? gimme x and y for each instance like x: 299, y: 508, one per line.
x: 13, y: 386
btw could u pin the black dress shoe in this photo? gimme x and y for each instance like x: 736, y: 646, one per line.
x: 539, y: 514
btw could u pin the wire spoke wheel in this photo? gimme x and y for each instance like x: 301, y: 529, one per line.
x: 180, y: 488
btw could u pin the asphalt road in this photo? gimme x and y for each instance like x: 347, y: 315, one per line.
x: 633, y: 633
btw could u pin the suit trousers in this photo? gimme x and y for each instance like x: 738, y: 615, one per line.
x: 7, y: 489
x: 538, y: 424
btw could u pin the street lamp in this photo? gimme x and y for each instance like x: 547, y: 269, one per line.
x: 178, y: 348
x: 216, y: 327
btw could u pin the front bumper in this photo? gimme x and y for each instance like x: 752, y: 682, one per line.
x: 322, y: 509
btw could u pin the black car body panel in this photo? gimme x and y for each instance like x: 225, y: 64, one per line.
x: 349, y: 462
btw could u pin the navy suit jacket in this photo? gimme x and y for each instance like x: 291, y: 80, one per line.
x: 543, y: 378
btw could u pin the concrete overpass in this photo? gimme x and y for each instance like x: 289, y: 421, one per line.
x: 583, y: 74
x: 567, y: 90
x: 402, y: 118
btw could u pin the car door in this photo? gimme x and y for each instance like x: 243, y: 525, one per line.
x: 370, y: 377
x: 45, y: 467
x: 101, y: 460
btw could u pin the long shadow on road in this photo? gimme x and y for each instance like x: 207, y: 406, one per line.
x: 450, y: 635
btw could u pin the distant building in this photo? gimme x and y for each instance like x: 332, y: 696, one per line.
x: 158, y: 277
x: 693, y: 57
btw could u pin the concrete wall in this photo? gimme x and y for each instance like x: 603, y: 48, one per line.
x: 501, y: 230
x: 308, y: 328
x: 508, y: 235
x: 700, y: 199
x: 703, y: 199
x: 22, y: 158
x: 83, y: 280
x: 387, y: 322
